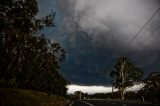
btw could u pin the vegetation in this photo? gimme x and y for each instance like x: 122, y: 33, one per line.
x: 147, y: 94
x: 130, y: 96
x: 20, y: 97
x: 27, y: 59
x: 151, y: 91
x: 124, y: 75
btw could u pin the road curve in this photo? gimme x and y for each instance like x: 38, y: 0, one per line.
x: 107, y: 103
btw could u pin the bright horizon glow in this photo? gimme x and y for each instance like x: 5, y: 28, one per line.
x: 98, y: 89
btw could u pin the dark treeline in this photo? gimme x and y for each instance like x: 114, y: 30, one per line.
x: 27, y: 59
x: 140, y: 96
x: 151, y: 89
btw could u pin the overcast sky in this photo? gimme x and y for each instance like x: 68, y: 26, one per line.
x: 95, y: 32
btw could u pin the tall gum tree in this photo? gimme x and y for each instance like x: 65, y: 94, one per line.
x: 125, y: 74
x: 27, y: 58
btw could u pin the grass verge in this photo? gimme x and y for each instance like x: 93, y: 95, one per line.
x: 21, y: 97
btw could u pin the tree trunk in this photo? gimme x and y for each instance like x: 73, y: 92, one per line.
x: 112, y: 87
x: 123, y: 81
x: 122, y: 93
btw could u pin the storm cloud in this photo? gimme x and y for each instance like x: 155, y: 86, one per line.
x: 95, y: 32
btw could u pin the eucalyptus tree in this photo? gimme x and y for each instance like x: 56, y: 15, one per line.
x: 151, y: 89
x: 28, y: 59
x: 17, y: 22
x: 125, y: 74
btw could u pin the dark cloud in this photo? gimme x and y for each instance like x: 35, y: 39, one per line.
x: 94, y: 34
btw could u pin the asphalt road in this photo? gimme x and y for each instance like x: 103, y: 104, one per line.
x: 107, y: 103
x: 78, y: 103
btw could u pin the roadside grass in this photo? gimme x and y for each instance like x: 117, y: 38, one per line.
x: 129, y: 101
x: 125, y: 101
x: 21, y: 97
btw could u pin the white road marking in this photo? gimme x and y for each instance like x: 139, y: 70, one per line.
x: 124, y: 104
x: 71, y: 103
x: 87, y: 103
x: 113, y: 103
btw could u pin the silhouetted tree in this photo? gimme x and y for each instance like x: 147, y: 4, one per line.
x: 124, y: 74
x: 28, y: 59
x: 151, y: 90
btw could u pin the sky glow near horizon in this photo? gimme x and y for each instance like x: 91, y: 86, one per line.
x: 98, y: 89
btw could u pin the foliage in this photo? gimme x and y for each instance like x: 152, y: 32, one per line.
x: 130, y: 96
x: 124, y: 74
x: 151, y: 90
x: 99, y: 96
x: 27, y: 59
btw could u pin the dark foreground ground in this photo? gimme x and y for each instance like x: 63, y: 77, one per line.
x: 24, y: 97
x: 107, y: 103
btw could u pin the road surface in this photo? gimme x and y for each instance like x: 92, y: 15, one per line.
x: 107, y: 103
